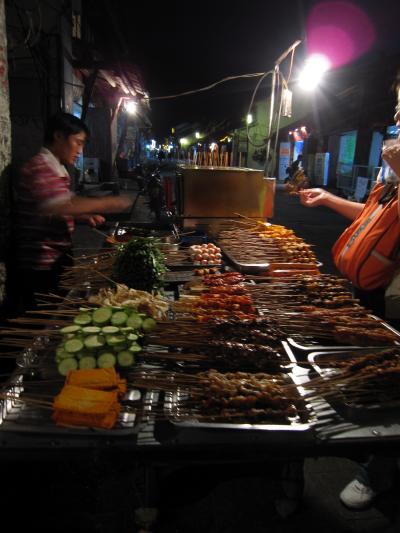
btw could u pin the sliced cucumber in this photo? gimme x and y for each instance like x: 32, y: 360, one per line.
x: 106, y: 360
x: 125, y: 358
x: 119, y: 318
x: 61, y: 353
x: 135, y: 347
x: 132, y: 337
x: 115, y: 340
x: 91, y: 330
x: 73, y: 346
x: 87, y: 361
x: 70, y: 329
x: 126, y: 329
x: 66, y: 365
x: 85, y: 309
x: 120, y: 347
x: 94, y: 341
x: 83, y: 319
x: 134, y: 321
x: 102, y: 315
x: 109, y: 330
x: 149, y: 324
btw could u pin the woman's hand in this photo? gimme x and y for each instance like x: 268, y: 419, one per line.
x: 391, y: 154
x: 314, y: 197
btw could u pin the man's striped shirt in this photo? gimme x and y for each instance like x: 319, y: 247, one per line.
x: 41, y: 239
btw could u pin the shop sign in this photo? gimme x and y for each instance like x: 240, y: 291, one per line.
x: 284, y: 159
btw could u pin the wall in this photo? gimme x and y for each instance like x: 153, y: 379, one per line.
x: 5, y: 146
x: 99, y: 122
x: 38, y: 67
x: 5, y: 125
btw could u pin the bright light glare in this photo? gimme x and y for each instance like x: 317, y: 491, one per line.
x: 313, y: 71
x: 183, y: 141
x: 249, y: 118
x: 131, y: 107
x: 197, y: 135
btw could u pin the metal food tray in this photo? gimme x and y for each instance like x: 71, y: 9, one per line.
x: 305, y: 348
x: 187, y: 263
x: 174, y: 403
x: 245, y: 268
x: 254, y: 268
x: 139, y: 229
x: 17, y: 416
x: 347, y: 408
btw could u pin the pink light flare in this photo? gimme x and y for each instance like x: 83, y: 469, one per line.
x: 339, y: 30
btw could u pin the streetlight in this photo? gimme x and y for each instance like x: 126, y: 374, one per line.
x: 276, y: 76
x: 313, y: 71
x: 130, y: 106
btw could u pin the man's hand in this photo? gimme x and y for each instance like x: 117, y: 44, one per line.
x: 313, y: 197
x: 92, y: 220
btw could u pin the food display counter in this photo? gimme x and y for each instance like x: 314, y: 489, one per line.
x: 240, y: 363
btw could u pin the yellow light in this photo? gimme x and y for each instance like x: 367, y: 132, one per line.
x: 183, y: 141
x: 249, y: 118
x: 172, y: 130
x: 197, y: 134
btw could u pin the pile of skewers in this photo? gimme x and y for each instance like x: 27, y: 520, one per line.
x: 368, y: 379
x: 248, y: 241
x: 232, y: 397
x: 227, y: 344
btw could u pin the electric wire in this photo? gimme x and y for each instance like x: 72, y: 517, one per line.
x: 208, y: 87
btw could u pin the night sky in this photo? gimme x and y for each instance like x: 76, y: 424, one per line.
x: 183, y: 46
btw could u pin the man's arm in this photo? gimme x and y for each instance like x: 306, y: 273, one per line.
x: 78, y: 206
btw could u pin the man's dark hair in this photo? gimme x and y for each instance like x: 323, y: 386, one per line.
x: 66, y: 124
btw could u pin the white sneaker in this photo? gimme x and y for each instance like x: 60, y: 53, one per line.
x: 356, y: 495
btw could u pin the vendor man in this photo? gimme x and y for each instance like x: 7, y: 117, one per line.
x: 44, y: 213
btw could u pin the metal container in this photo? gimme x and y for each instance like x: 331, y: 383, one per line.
x: 168, y: 244
x: 220, y: 192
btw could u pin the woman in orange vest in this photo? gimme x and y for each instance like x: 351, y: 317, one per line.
x: 383, y: 206
x: 367, y: 252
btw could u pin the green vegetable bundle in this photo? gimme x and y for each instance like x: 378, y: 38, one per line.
x: 140, y: 264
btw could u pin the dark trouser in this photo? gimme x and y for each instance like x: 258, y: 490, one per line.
x: 23, y: 284
x: 375, y: 301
